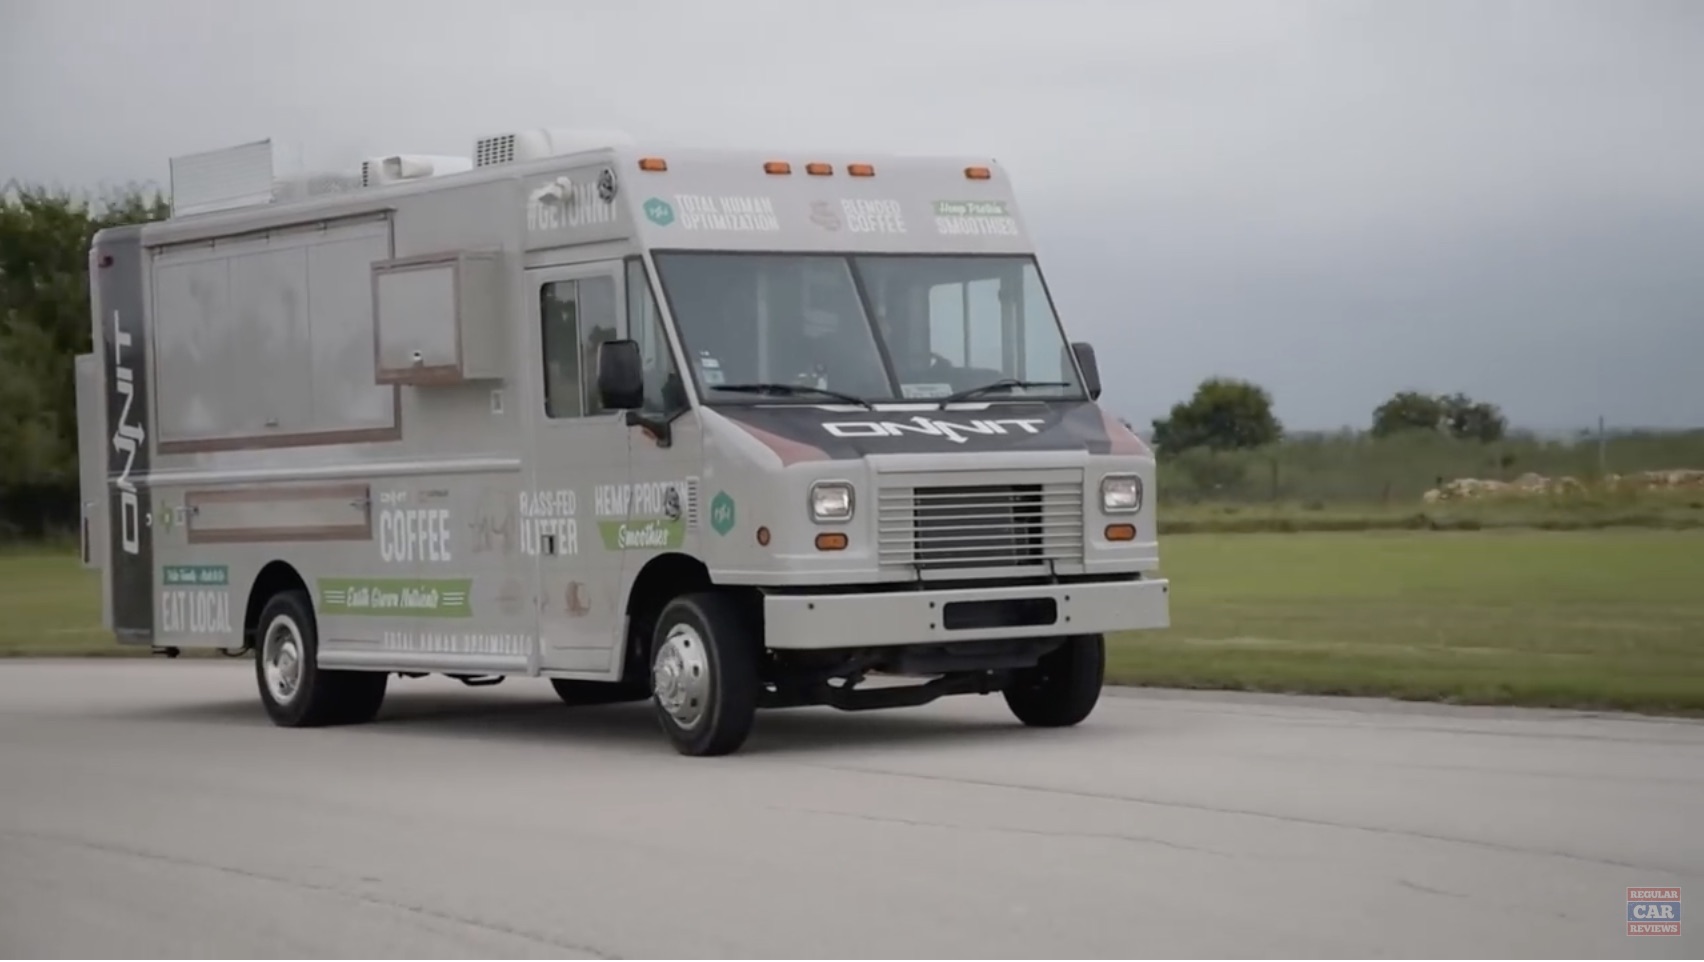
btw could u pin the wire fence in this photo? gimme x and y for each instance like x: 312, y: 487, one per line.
x: 1361, y: 470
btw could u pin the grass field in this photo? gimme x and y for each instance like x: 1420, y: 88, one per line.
x: 1598, y: 619
x: 1672, y: 511
x: 51, y: 605
x: 1602, y: 619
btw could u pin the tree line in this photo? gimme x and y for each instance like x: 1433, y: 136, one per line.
x: 44, y: 324
x: 1229, y: 414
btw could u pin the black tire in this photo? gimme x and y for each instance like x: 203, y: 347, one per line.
x: 1063, y: 687
x: 718, y: 660
x: 576, y: 692
x: 317, y: 697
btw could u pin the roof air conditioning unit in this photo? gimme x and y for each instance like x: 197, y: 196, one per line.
x: 543, y: 142
x: 376, y: 171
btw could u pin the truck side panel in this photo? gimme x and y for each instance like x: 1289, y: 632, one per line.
x: 119, y: 305
x: 91, y: 476
x: 265, y: 341
x: 287, y: 462
x: 445, y: 579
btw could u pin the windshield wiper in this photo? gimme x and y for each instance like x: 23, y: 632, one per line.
x: 1004, y: 384
x: 768, y: 387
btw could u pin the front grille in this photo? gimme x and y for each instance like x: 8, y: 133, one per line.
x: 980, y: 525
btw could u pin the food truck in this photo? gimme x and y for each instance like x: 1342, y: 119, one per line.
x: 721, y: 430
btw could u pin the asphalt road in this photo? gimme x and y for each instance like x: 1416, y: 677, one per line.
x: 147, y: 809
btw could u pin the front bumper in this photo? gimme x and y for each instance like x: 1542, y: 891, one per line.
x: 884, y: 618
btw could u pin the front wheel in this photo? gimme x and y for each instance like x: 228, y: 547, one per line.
x: 1063, y: 687
x: 704, y: 673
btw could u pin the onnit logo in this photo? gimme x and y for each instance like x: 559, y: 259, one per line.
x: 954, y: 431
x: 126, y: 441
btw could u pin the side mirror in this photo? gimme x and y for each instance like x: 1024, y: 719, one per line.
x: 621, y: 375
x: 1085, y: 355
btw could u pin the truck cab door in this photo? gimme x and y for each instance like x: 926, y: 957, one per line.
x: 579, y: 451
x: 660, y: 512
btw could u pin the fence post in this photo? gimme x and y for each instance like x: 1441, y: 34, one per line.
x: 1603, y: 452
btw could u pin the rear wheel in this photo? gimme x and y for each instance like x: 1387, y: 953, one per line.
x: 704, y: 673
x: 294, y: 690
x: 1063, y: 687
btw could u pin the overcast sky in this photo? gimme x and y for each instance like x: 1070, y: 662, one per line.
x: 1337, y: 200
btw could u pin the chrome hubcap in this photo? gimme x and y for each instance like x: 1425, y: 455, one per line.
x: 281, y: 657
x: 680, y: 675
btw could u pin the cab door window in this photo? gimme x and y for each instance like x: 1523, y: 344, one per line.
x: 575, y: 317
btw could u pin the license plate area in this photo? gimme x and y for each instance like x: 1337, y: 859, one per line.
x: 999, y: 613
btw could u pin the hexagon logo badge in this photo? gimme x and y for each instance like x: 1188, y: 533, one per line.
x: 722, y: 513
x: 659, y: 211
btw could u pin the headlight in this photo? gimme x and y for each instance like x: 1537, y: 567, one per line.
x: 1121, y: 493
x: 831, y: 501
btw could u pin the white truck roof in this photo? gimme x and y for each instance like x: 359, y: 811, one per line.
x: 590, y: 186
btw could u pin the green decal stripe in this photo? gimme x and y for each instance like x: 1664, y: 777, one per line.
x: 405, y: 597
x: 971, y: 208
x: 642, y: 534
x: 196, y: 575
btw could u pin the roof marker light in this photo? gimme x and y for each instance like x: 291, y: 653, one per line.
x: 861, y: 170
x: 977, y: 173
x: 653, y: 163
x: 819, y: 170
x: 777, y: 167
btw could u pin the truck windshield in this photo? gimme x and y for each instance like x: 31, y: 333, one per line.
x: 876, y: 327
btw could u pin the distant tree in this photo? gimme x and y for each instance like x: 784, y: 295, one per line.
x: 1408, y: 411
x: 1454, y: 414
x: 1472, y: 420
x: 1224, y: 414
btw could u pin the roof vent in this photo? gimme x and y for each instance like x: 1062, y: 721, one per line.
x: 543, y: 142
x: 377, y: 171
x: 315, y: 183
x: 222, y: 179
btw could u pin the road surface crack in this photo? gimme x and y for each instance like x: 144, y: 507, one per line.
x: 113, y: 848
x: 1253, y: 813
x: 1012, y: 830
x: 1447, y: 893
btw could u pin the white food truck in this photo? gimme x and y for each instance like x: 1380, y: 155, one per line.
x: 721, y: 429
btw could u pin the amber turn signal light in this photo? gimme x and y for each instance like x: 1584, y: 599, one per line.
x: 1121, y: 532
x: 831, y: 541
